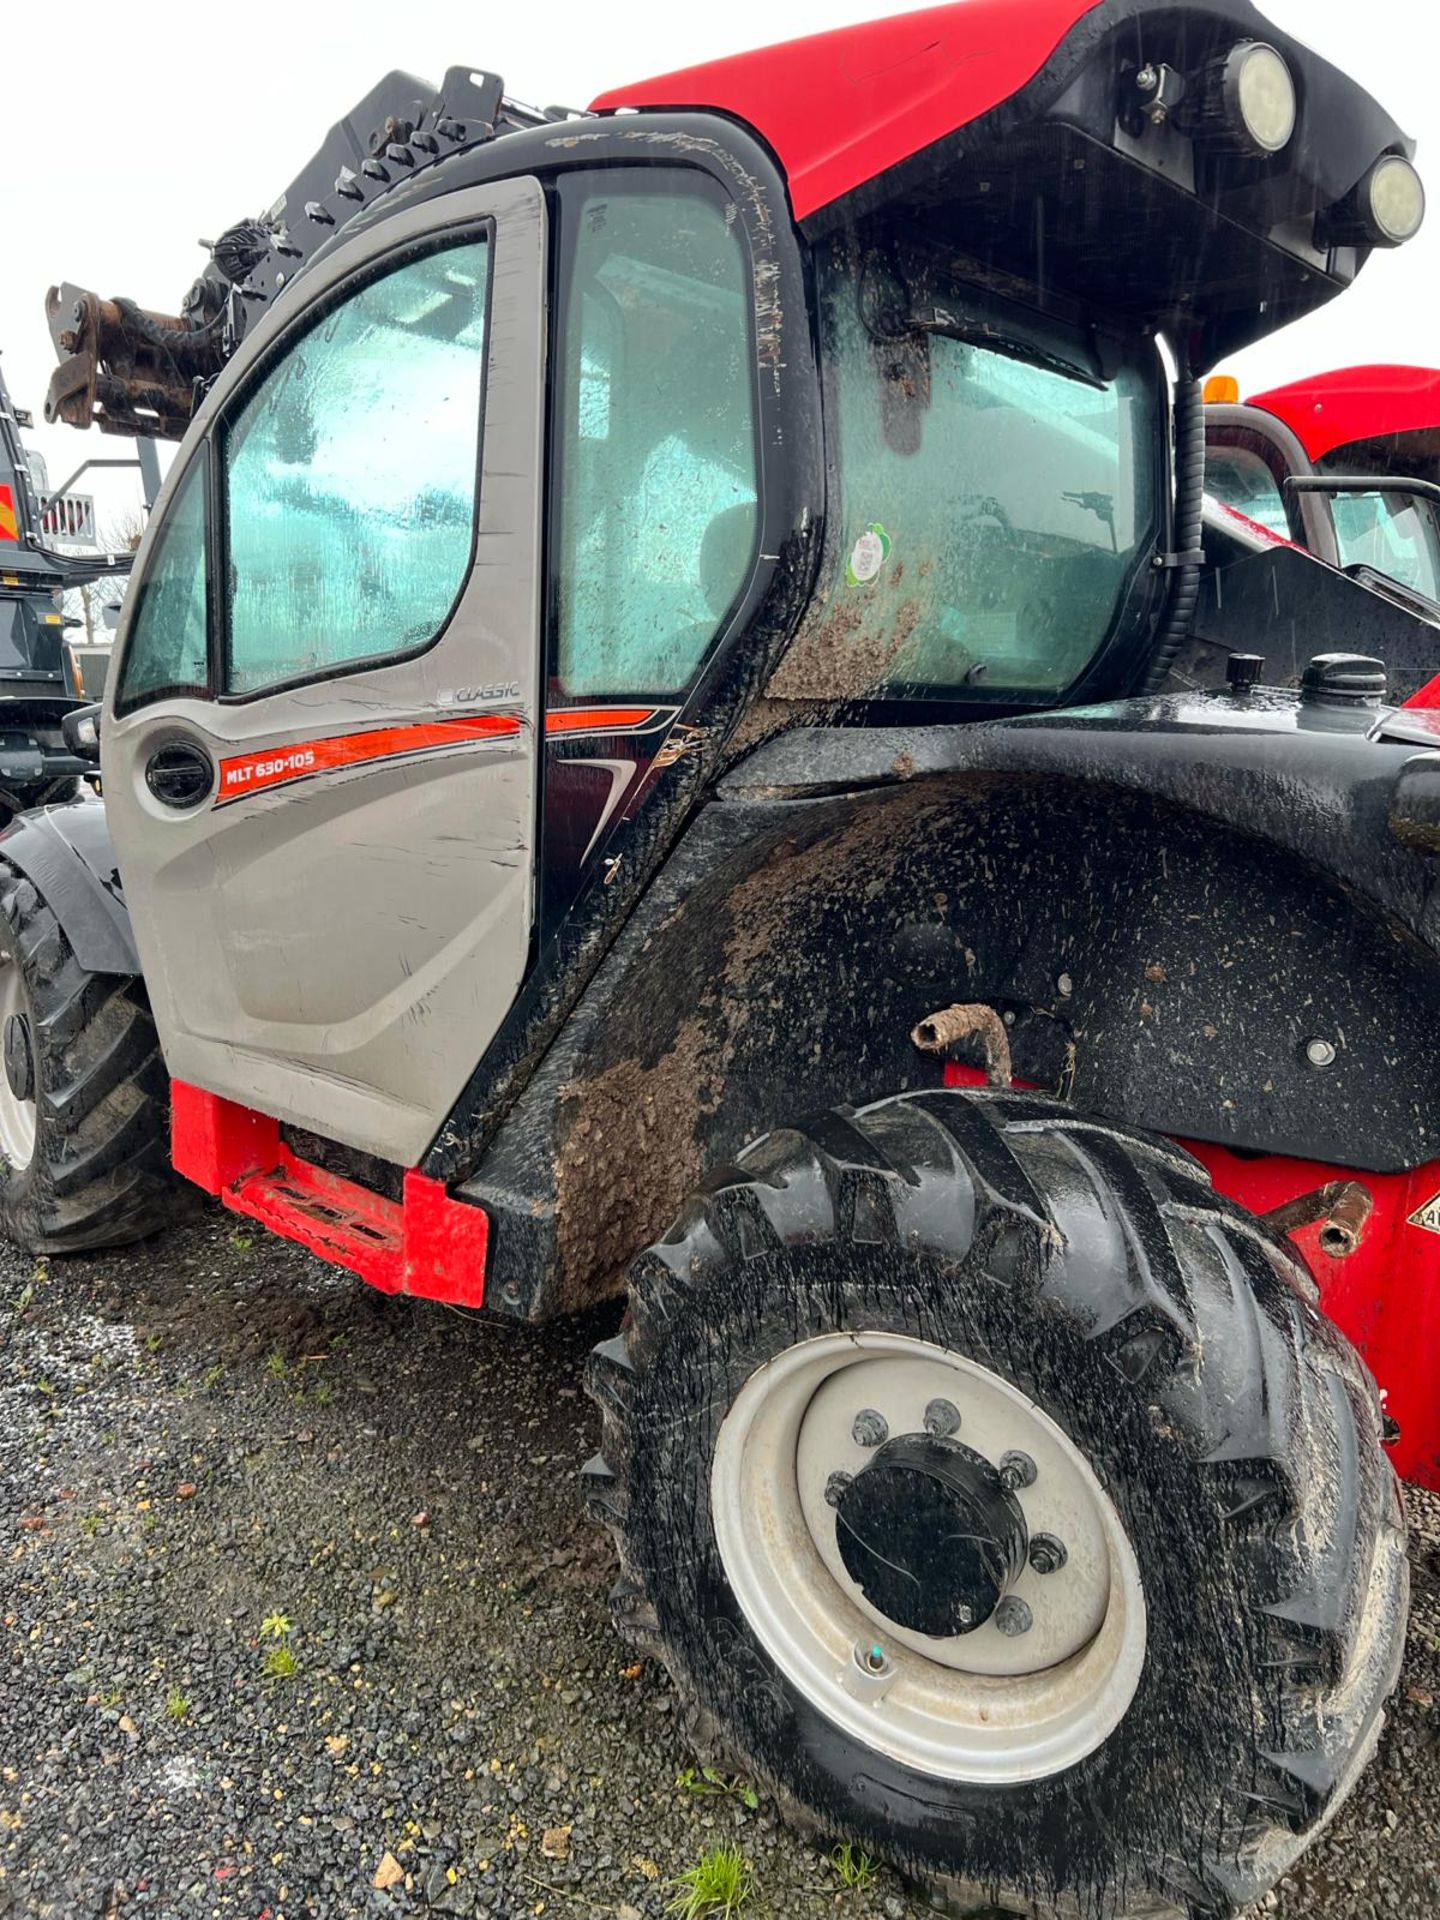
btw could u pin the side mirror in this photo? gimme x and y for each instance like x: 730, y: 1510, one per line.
x: 80, y: 729
x: 1415, y: 804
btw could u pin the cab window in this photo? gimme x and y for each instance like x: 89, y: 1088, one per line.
x: 657, y: 478
x: 999, y: 488
x: 166, y: 650
x: 351, y: 478
x: 1393, y: 533
x: 1238, y: 478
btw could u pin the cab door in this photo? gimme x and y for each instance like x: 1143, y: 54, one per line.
x: 319, y: 745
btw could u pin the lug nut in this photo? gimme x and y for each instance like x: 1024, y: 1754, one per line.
x: 835, y: 1487
x: 942, y: 1418
x: 1047, y: 1554
x: 1012, y: 1617
x: 1017, y: 1470
x: 869, y: 1429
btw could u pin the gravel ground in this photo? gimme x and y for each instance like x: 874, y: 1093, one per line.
x: 295, y: 1595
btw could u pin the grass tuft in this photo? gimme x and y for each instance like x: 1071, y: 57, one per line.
x: 280, y: 1663
x: 177, y: 1704
x: 715, y: 1888
x: 856, y: 1869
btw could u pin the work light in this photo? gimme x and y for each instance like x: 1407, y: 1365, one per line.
x: 1249, y: 100
x: 1392, y: 195
x: 1386, y: 209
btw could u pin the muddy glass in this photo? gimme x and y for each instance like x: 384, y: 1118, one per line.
x: 657, y: 440
x: 998, y: 486
x: 166, y: 650
x: 351, y: 477
x: 1393, y: 533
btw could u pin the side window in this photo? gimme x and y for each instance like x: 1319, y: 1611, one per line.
x: 351, y: 475
x: 166, y: 650
x: 1240, y: 479
x: 1392, y: 533
x: 656, y: 437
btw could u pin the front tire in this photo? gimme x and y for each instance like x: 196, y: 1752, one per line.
x: 1224, y: 1690
x: 84, y: 1096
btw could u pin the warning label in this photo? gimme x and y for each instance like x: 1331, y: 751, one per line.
x: 1428, y: 1216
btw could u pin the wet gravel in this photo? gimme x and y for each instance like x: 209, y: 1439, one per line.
x: 296, y: 1596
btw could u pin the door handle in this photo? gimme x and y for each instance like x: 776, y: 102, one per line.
x: 180, y: 775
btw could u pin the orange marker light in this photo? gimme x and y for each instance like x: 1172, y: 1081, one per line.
x: 1222, y: 390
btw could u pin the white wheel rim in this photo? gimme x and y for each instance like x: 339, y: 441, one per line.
x: 981, y: 1706
x: 17, y: 1117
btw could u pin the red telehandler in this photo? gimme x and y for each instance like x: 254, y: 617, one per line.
x: 640, y: 758
x: 1346, y: 463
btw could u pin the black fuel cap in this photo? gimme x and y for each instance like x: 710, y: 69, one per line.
x: 1344, y: 680
x: 931, y: 1535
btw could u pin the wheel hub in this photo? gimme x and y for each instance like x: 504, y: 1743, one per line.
x: 931, y: 1535
x: 19, y: 1057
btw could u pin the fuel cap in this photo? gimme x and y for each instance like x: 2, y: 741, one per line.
x: 1344, y: 680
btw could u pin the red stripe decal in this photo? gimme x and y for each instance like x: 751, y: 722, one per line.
x: 248, y: 773
x: 600, y: 719
x: 9, y: 522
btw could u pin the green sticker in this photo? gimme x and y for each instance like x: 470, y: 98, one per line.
x: 868, y: 555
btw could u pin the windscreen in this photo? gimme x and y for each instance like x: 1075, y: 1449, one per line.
x: 999, y: 481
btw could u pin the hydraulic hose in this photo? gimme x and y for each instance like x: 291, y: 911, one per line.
x: 1189, y: 530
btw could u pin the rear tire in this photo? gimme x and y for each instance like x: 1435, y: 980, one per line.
x: 45, y: 793
x: 98, y: 1170
x: 1090, y: 1273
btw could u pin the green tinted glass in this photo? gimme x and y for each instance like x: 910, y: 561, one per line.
x: 658, y: 513
x: 997, y: 509
x: 1240, y: 479
x: 166, y: 648
x: 351, y: 477
x: 1394, y: 534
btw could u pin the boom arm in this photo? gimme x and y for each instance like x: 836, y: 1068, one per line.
x: 131, y: 371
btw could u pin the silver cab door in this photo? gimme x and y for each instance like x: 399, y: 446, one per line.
x: 319, y: 745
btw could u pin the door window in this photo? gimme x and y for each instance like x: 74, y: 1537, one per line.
x: 351, y: 478
x: 166, y: 652
x: 658, y: 475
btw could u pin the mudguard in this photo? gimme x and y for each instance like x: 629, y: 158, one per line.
x: 66, y: 852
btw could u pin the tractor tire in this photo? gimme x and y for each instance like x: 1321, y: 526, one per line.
x: 45, y: 793
x: 84, y: 1096
x: 868, y: 1343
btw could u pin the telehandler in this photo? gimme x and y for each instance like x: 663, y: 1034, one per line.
x: 1346, y: 463
x: 640, y: 745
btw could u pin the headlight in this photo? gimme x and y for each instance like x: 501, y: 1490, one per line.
x: 1251, y: 94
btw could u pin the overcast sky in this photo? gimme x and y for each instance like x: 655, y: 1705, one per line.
x: 127, y: 136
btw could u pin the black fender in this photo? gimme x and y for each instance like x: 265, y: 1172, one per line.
x: 1169, y: 900
x: 66, y: 852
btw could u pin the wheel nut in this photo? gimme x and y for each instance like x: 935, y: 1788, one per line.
x: 1012, y: 1616
x: 869, y: 1429
x: 1047, y: 1554
x: 1017, y: 1470
x: 942, y: 1418
x: 835, y: 1487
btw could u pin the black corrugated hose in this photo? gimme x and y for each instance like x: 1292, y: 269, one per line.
x: 1189, y: 529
